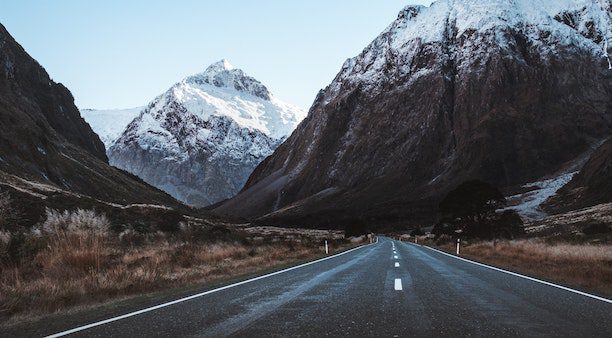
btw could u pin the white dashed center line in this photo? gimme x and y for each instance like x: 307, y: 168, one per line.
x: 398, y: 284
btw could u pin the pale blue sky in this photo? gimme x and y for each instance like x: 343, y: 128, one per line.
x: 120, y: 54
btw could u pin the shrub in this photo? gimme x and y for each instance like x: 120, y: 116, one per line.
x: 75, y: 239
x: 596, y: 228
x: 17, y: 247
x: 355, y: 228
x: 472, y: 202
x: 508, y: 225
x: 417, y: 232
x: 8, y: 213
x: 444, y: 228
x: 81, y: 222
x: 5, y: 207
x: 169, y: 221
x: 471, y: 209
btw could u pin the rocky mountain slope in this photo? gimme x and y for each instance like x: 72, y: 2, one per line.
x: 108, y: 124
x: 446, y: 93
x: 43, y: 139
x: 590, y: 186
x: 201, y: 139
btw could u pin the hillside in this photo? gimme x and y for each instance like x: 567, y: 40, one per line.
x: 43, y: 139
x: 445, y: 94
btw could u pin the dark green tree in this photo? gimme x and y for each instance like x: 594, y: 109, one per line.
x: 356, y: 227
x: 417, y: 232
x: 508, y: 225
x: 472, y: 202
x: 473, y: 207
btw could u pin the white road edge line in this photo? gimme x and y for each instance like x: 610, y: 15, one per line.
x: 398, y: 284
x: 135, y: 313
x: 523, y: 276
x: 396, y: 264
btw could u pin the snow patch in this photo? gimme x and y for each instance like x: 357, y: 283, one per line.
x: 109, y: 123
x: 530, y: 201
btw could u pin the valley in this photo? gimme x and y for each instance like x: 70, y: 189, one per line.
x: 452, y: 178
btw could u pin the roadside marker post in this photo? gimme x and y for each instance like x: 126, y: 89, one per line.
x: 458, y: 242
x: 327, y: 248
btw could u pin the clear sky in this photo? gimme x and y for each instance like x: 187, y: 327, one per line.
x: 121, y: 54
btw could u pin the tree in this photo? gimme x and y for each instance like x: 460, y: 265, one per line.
x: 472, y: 202
x: 444, y: 227
x: 417, y: 232
x: 356, y: 227
x: 472, y: 208
x: 509, y: 225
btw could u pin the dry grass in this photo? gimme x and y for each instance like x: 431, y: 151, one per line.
x: 587, y: 266
x: 574, y: 226
x: 73, y: 259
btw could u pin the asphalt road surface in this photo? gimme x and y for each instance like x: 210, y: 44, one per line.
x: 388, y: 289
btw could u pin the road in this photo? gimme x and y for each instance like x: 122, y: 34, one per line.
x: 387, y: 289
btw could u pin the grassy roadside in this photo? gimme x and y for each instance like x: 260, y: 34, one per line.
x: 584, y: 266
x: 91, y: 312
x: 74, y: 261
x: 29, y: 325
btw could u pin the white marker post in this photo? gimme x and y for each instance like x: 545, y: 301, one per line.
x: 327, y: 248
x: 458, y: 241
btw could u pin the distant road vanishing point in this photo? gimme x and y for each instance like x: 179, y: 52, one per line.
x: 385, y: 289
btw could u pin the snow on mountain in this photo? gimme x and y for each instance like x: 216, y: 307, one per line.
x: 109, y: 123
x: 528, y: 204
x: 547, y: 24
x: 495, y: 90
x: 531, y: 203
x: 223, y: 90
x: 200, y: 140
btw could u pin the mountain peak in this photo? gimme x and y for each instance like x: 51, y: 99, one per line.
x: 550, y: 26
x: 202, y: 138
x: 222, y: 74
x: 219, y: 66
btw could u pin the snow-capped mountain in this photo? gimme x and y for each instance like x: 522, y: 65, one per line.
x: 200, y: 140
x: 109, y: 123
x: 505, y: 91
x: 470, y: 30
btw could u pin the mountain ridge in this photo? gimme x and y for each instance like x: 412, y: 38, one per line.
x: 200, y: 139
x: 44, y: 140
x: 412, y: 117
